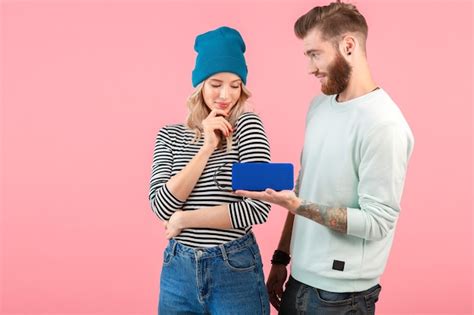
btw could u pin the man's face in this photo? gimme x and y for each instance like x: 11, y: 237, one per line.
x: 326, y: 63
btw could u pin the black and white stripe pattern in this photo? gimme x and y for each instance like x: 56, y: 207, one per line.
x: 174, y: 148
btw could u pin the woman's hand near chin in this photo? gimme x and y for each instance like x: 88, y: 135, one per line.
x: 215, y: 126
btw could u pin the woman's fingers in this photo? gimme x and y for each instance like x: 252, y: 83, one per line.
x: 218, y: 125
x: 229, y: 126
x: 217, y: 112
x: 222, y: 122
x: 218, y: 115
x: 224, y: 130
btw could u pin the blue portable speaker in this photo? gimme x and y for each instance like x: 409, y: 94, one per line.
x: 260, y: 176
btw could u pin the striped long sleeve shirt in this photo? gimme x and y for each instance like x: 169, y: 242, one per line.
x: 174, y: 149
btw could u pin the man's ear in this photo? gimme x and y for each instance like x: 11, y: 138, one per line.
x: 348, y: 45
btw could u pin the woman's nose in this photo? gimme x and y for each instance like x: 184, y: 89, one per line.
x: 223, y: 93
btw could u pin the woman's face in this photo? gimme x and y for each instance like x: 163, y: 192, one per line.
x: 222, y: 91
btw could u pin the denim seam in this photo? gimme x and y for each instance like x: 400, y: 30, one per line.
x: 368, y: 298
x: 261, y: 294
x: 301, y: 303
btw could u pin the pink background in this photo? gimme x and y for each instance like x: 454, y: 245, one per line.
x: 87, y: 84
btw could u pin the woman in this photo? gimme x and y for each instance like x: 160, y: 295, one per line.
x: 212, y: 263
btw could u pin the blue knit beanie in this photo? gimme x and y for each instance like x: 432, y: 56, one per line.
x: 219, y: 50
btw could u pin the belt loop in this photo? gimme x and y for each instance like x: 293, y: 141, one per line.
x: 224, y: 254
x: 252, y: 244
x: 173, y: 248
x: 253, y: 236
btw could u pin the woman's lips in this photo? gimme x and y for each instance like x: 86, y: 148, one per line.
x: 222, y: 105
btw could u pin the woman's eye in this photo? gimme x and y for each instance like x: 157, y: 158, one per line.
x: 215, y: 86
x: 235, y: 87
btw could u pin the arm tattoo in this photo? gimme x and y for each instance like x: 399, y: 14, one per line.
x: 334, y: 218
x: 297, y: 187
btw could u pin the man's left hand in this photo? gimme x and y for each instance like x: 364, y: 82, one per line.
x: 285, y: 198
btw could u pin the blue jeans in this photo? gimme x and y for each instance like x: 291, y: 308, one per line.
x: 225, y: 279
x: 300, y: 298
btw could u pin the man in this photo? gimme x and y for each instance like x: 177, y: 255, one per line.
x: 346, y: 203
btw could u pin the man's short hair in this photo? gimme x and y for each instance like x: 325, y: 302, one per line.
x: 333, y: 21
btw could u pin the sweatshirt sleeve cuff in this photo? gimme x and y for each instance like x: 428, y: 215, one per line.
x: 176, y: 203
x: 356, y: 223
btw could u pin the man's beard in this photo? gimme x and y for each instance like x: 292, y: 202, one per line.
x: 338, y: 75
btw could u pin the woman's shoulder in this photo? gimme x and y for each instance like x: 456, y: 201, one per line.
x: 249, y: 117
x: 249, y: 123
x: 174, y: 127
x: 172, y: 130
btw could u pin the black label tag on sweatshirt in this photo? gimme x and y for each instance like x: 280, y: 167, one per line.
x: 338, y: 265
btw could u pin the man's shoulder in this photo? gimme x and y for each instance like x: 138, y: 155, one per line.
x: 381, y: 109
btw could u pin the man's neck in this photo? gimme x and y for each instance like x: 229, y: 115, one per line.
x: 361, y: 83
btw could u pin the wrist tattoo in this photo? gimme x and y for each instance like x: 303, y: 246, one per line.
x: 334, y: 218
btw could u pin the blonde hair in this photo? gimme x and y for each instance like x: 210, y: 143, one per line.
x: 198, y: 111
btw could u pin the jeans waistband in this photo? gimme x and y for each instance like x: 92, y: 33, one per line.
x: 247, y: 240
x: 355, y: 293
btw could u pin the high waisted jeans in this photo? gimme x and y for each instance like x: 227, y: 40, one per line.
x: 226, y: 279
